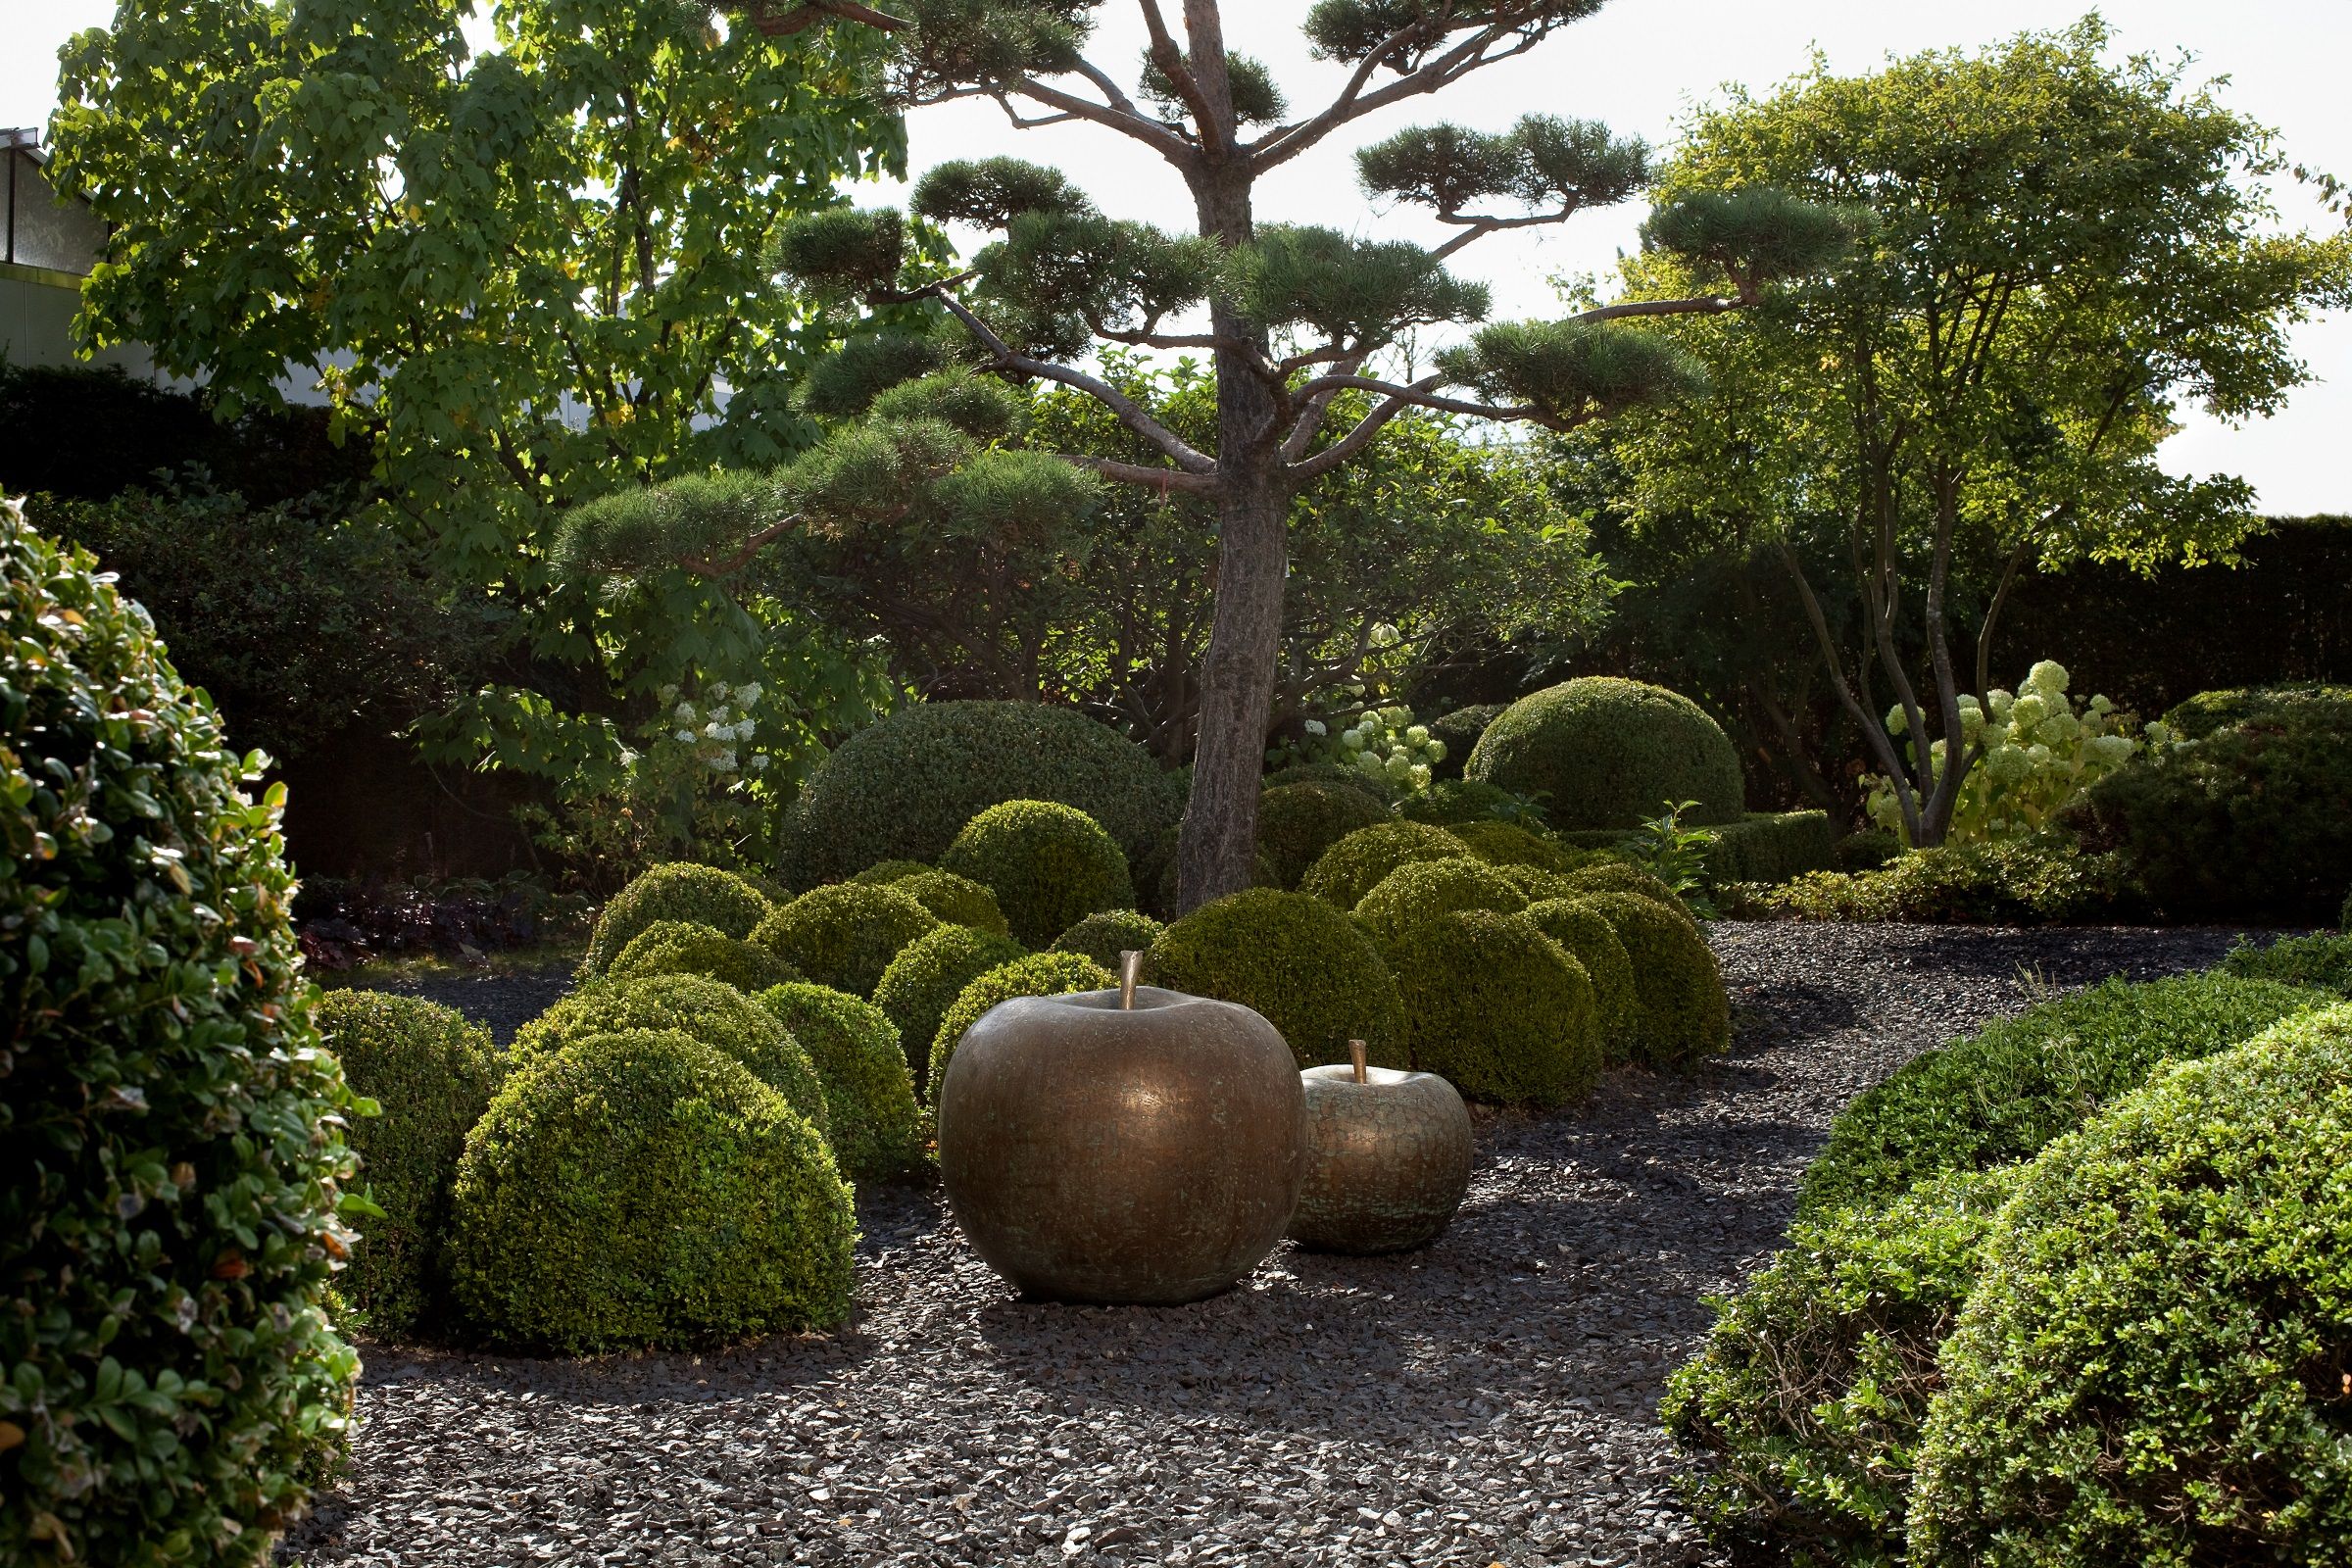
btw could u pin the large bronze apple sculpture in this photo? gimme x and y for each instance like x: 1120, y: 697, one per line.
x: 1388, y: 1158
x: 1136, y: 1147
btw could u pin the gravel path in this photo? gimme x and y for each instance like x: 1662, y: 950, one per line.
x: 1490, y: 1400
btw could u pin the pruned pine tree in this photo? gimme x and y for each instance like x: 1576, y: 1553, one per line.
x: 1293, y: 318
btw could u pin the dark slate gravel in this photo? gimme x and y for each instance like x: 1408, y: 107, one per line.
x: 1489, y: 1401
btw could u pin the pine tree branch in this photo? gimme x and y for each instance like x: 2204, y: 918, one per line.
x: 1696, y: 305
x: 1143, y: 475
x: 1170, y: 59
x: 1431, y: 75
x: 1422, y: 394
x: 1311, y: 418
x: 728, y: 567
x: 1476, y: 226
x: 1021, y: 122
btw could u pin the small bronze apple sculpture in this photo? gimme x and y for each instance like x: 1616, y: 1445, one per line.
x: 1137, y: 1146
x: 1388, y: 1158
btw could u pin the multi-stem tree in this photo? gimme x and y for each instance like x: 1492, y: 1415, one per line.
x: 1292, y: 318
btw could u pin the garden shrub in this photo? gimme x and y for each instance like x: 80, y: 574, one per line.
x: 1460, y: 730
x: 1049, y: 866
x: 688, y: 946
x: 1039, y: 974
x: 1108, y: 933
x: 1298, y: 822
x: 869, y: 1093
x: 889, y: 871
x: 1771, y: 848
x: 676, y: 891
x: 1684, y: 1014
x: 955, y: 900
x: 2323, y: 963
x: 169, y: 1161
x: 1587, y: 936
x: 1806, y: 1401
x: 1375, y: 787
x: 1425, y: 890
x: 1866, y: 850
x: 927, y: 976
x: 844, y: 934
x: 705, y: 1009
x: 904, y: 788
x: 1508, y: 844
x: 432, y: 1073
x: 1538, y: 885
x: 641, y: 1189
x: 2045, y: 880
x: 1294, y: 960
x: 1360, y: 861
x: 1450, y: 803
x: 1497, y: 1008
x: 2001, y: 1093
x: 1620, y: 876
x: 1606, y: 753
x: 2152, y: 1366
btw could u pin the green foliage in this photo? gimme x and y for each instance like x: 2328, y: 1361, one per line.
x: 927, y: 976
x: 904, y: 788
x: 1256, y: 100
x: 1771, y: 848
x: 1382, y: 749
x: 1808, y: 1398
x: 2324, y: 963
x: 1456, y: 801
x: 1124, y: 275
x: 173, y: 1160
x: 984, y: 410
x: 2039, y: 752
x: 1458, y: 731
x: 1378, y: 790
x: 641, y: 1189
x: 1346, y: 290
x: 1509, y: 844
x: 1676, y: 854
x: 1571, y: 371
x: 1756, y: 235
x: 953, y: 900
x: 1362, y: 29
x: 1497, y: 1008
x: 846, y: 383
x: 686, y: 947
x: 844, y: 934
x: 848, y: 250
x: 432, y: 1074
x: 1107, y: 934
x: 1364, y: 858
x: 876, y: 1131
x: 1039, y: 974
x: 1298, y: 822
x: 1296, y: 961
x: 677, y: 891
x: 1686, y: 1015
x: 1611, y: 875
x: 706, y: 1009
x: 1604, y: 752
x: 2150, y: 1370
x: 1541, y: 162
x: 2004, y: 1092
x: 890, y: 872
x: 1424, y: 890
x: 2046, y: 880
x: 1050, y: 865
x: 1585, y: 934
x: 2249, y: 819
x: 992, y: 192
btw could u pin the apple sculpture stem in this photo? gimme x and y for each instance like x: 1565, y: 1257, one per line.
x: 1388, y: 1157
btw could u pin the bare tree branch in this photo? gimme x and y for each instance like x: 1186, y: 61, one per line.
x: 728, y: 567
x: 1432, y: 76
x: 1422, y: 395
x: 1127, y: 122
x: 1696, y: 305
x: 1142, y: 474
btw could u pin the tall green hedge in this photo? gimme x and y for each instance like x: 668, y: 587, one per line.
x: 1605, y: 753
x: 1294, y: 960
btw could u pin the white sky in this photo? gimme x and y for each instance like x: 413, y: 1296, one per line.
x: 1640, y: 65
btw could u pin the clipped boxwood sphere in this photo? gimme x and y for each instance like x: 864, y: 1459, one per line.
x: 927, y: 976
x: 1606, y: 753
x: 1050, y: 865
x: 1375, y: 787
x: 696, y: 1006
x: 845, y: 935
x: 147, y: 961
x: 889, y: 871
x: 904, y: 788
x: 1509, y: 844
x: 1610, y: 875
x: 1296, y: 961
x: 432, y: 1074
x: 2151, y: 1368
x: 1427, y: 889
x: 1298, y: 822
x: 641, y: 1189
x: 688, y: 946
x: 955, y: 900
x: 1539, y: 885
x: 1106, y: 935
x: 1358, y: 862
x: 1040, y: 974
x: 876, y: 1128
x: 1685, y: 1012
x: 1496, y: 1007
x: 1460, y: 730
x: 1589, y: 938
x: 676, y: 891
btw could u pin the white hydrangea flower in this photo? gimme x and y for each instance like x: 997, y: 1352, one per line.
x: 759, y: 762
x: 2048, y: 677
x: 1437, y: 749
x: 748, y: 694
x: 2000, y: 702
x: 1317, y: 728
x: 1354, y: 740
x: 683, y: 713
x: 2029, y: 711
x: 1896, y: 723
x: 717, y: 690
x: 1369, y: 762
x: 666, y: 695
x: 1421, y: 775
x: 715, y: 731
x: 2110, y: 751
x: 686, y: 737
x: 726, y: 762
x: 1384, y: 635
x: 1418, y: 735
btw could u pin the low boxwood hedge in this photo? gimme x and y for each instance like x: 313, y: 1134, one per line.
x: 876, y: 1128
x: 953, y: 899
x: 1294, y: 960
x: 688, y: 946
x: 1496, y: 1007
x: 1050, y: 865
x: 1685, y: 1012
x: 845, y: 935
x: 1358, y: 862
x: 1771, y: 848
x: 1509, y: 844
x: 1589, y: 938
x: 2323, y: 963
x: 676, y: 891
x: 1606, y: 753
x: 1412, y: 894
x: 1298, y: 822
x: 1039, y: 974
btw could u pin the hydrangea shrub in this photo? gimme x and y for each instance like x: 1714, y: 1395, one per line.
x: 2041, y: 751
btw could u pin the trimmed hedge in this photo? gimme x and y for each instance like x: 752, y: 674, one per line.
x: 169, y: 1163
x: 432, y: 1073
x: 1452, y: 801
x: 1298, y: 822
x: 955, y: 900
x: 2151, y: 1369
x: 2005, y: 1091
x: 688, y: 946
x: 890, y: 871
x: 904, y: 788
x: 1619, y: 876
x: 1587, y: 936
x: 1360, y: 861
x: 1460, y: 730
x: 1807, y: 1400
x: 1685, y: 1012
x: 1040, y: 974
x: 1496, y: 1007
x: 927, y: 976
x: 2045, y: 880
x: 1107, y: 934
x: 1412, y: 894
x: 1378, y: 788
x: 1049, y: 866
x: 1606, y: 753
x: 845, y: 935
x: 1508, y: 844
x: 876, y: 1129
x: 641, y: 1189
x: 676, y: 891
x: 705, y: 1009
x: 1298, y: 961
x: 1771, y: 848
x: 2324, y: 963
